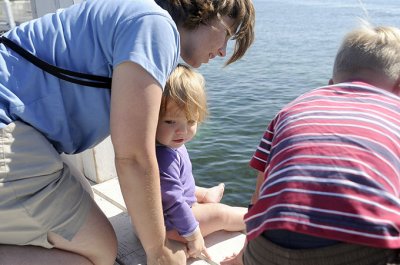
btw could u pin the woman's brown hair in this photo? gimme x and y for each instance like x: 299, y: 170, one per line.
x: 190, y: 14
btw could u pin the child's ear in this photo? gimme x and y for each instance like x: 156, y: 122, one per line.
x: 330, y: 81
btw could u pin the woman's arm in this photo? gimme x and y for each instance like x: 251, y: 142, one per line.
x: 135, y: 103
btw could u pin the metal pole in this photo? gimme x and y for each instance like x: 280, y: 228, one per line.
x: 9, y: 14
x: 41, y: 7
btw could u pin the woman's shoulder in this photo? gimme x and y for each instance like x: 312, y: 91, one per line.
x: 130, y: 8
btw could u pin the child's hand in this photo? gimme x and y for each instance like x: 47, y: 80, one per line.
x: 196, y: 245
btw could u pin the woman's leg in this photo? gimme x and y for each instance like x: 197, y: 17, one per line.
x: 43, y: 204
x: 95, y: 240
x: 32, y: 255
x: 94, y: 244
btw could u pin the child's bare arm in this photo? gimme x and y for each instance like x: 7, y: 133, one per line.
x: 260, y: 180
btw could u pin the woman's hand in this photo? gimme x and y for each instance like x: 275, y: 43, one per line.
x: 172, y: 253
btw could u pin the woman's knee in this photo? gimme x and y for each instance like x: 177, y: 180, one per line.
x: 95, y: 240
x: 105, y: 239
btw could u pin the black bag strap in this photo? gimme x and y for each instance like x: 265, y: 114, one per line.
x: 67, y: 75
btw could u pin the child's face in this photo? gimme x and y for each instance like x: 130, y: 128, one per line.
x: 173, y: 128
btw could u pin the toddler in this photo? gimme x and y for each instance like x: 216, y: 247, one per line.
x: 190, y: 212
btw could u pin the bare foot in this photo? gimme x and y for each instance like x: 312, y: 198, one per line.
x: 214, y: 194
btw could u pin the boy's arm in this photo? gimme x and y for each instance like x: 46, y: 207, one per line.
x: 237, y: 259
x: 260, y: 180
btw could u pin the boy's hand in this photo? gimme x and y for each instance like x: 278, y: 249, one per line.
x: 235, y: 259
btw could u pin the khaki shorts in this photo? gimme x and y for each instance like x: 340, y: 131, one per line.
x: 38, y: 194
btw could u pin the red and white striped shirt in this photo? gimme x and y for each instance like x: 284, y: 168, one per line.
x: 332, y: 167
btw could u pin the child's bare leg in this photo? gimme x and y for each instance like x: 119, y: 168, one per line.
x: 217, y: 216
x: 214, y: 217
x: 174, y: 235
x: 213, y: 194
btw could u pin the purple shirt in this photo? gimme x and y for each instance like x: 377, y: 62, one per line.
x: 177, y: 189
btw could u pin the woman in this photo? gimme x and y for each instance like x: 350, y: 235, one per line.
x: 137, y: 43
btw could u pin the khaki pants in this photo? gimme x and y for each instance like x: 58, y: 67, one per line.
x: 38, y: 193
x: 261, y: 251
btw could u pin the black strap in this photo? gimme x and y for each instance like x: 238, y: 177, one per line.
x: 67, y: 75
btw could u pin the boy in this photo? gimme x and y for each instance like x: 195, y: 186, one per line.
x: 329, y: 165
x: 190, y: 212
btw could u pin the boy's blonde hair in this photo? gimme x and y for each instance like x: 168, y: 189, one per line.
x: 186, y: 88
x: 372, y: 48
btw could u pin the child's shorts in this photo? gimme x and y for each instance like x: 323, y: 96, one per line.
x: 38, y: 194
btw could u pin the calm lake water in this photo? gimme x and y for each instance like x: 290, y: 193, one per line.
x: 296, y: 42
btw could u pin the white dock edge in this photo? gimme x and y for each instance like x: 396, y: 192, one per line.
x: 220, y: 244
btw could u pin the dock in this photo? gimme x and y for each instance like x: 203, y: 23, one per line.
x: 108, y: 196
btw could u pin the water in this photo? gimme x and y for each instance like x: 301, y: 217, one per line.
x: 296, y: 42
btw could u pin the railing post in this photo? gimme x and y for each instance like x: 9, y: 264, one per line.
x: 42, y: 7
x: 9, y: 14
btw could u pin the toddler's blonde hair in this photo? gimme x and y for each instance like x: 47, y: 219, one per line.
x: 186, y: 88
